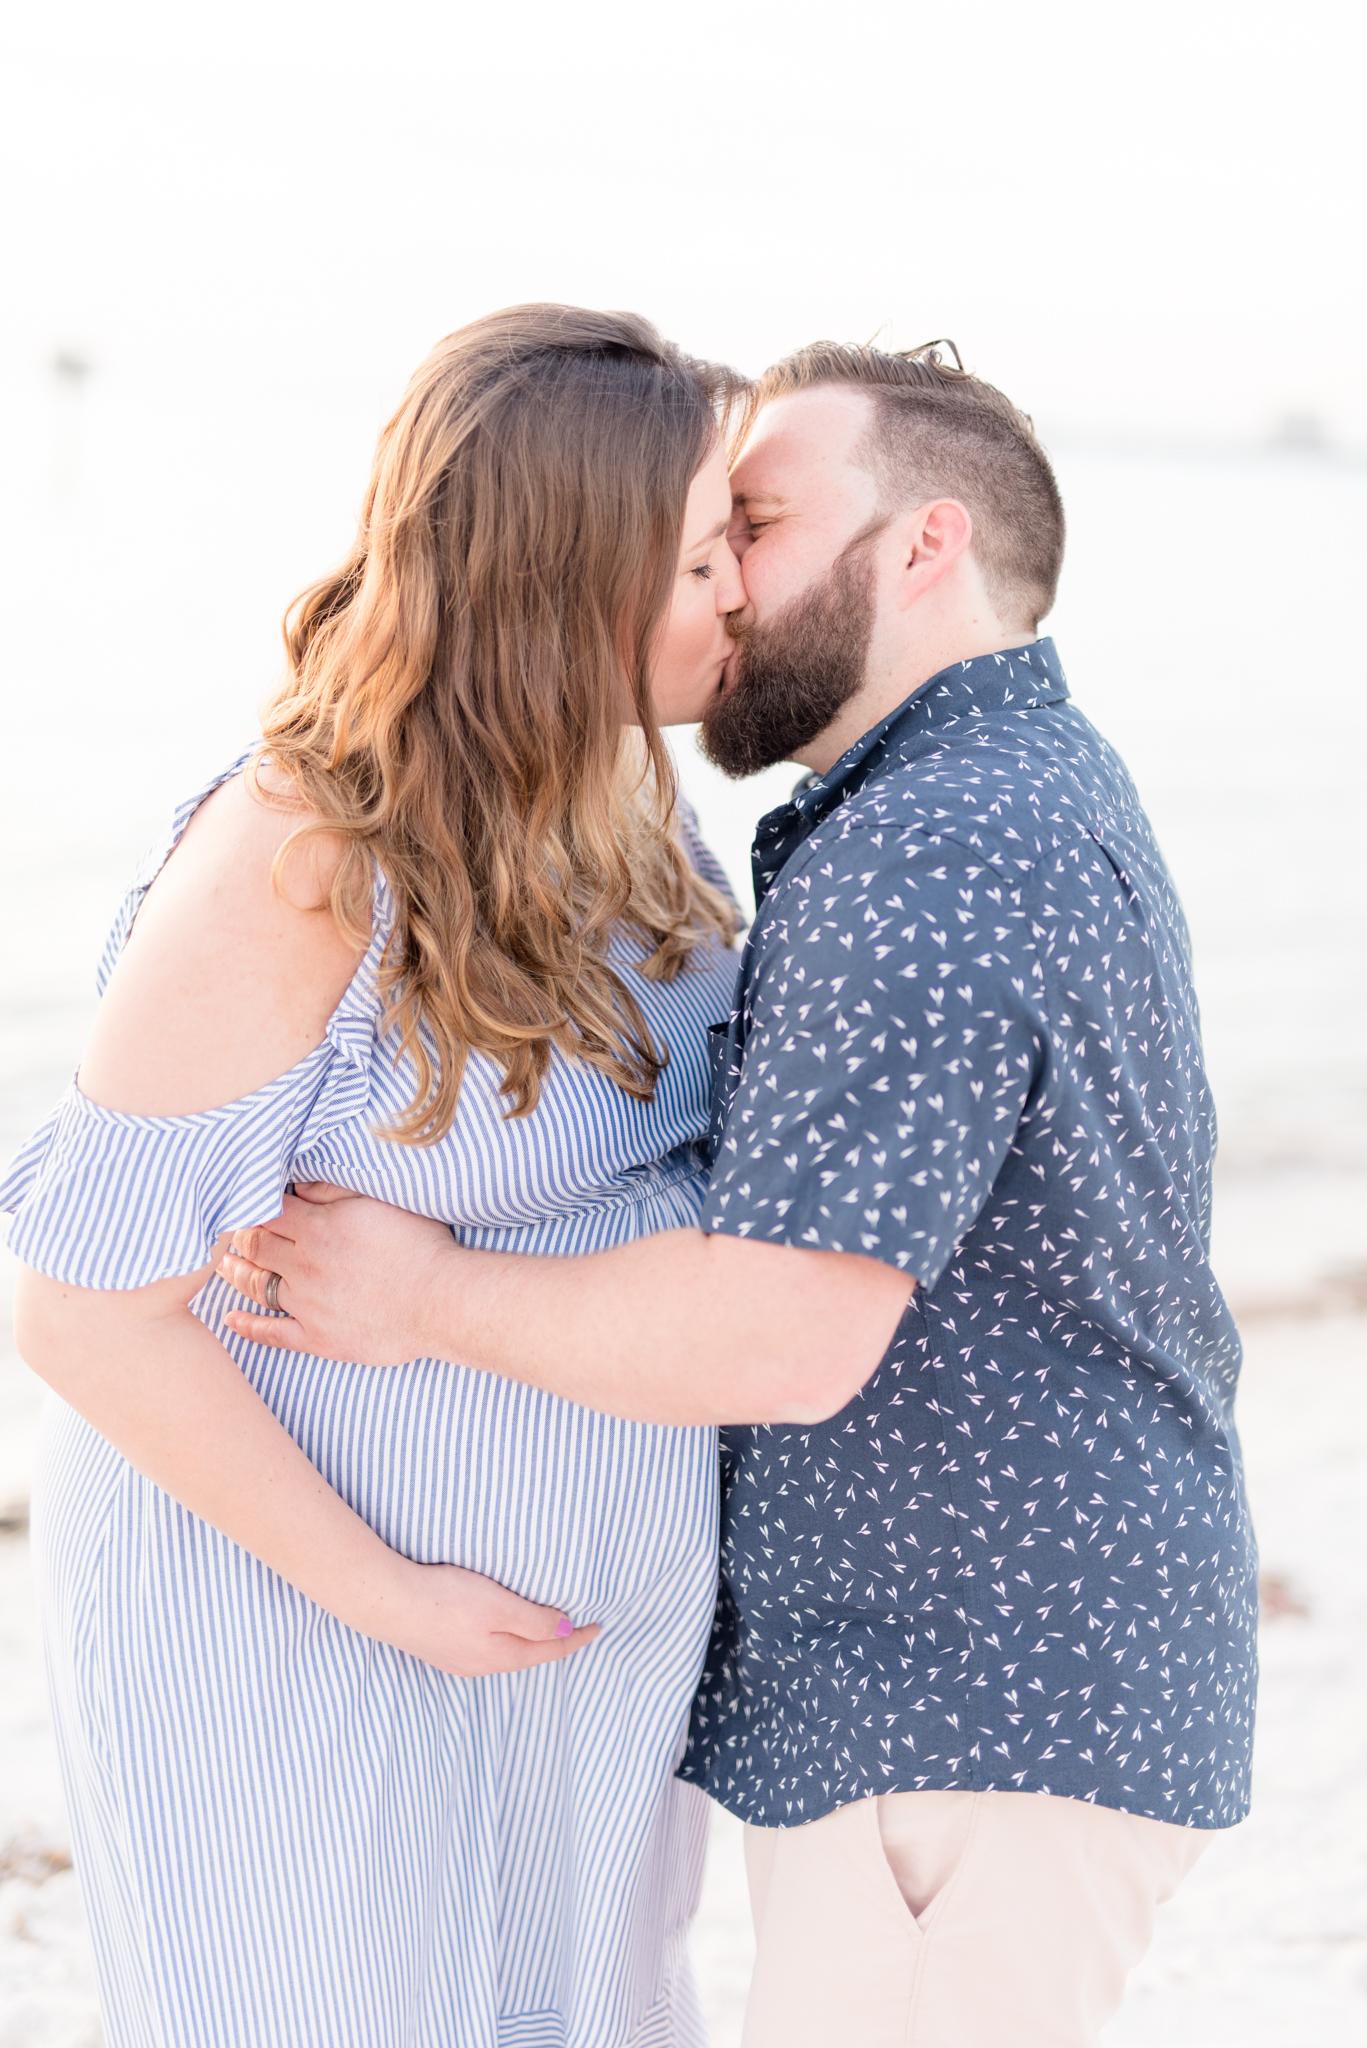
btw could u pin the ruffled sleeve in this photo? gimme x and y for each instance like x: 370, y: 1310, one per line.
x: 102, y: 1199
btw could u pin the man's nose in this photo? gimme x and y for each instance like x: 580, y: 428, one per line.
x: 729, y: 587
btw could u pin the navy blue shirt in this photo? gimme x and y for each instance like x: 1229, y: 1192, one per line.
x: 966, y: 1042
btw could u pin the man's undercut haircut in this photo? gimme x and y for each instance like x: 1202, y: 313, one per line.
x: 940, y: 432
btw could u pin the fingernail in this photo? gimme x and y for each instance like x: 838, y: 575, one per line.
x: 565, y: 1627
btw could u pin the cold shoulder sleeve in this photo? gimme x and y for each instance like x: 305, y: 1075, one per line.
x: 102, y: 1199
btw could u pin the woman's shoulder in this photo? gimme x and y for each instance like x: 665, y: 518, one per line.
x: 225, y: 980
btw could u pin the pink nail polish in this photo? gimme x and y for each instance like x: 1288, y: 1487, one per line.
x: 566, y: 1626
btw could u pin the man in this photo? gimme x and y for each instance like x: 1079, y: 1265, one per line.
x: 982, y: 1676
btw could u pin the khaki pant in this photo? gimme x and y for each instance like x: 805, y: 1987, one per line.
x: 954, y: 1920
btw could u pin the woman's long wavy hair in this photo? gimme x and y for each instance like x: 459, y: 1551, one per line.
x: 455, y: 702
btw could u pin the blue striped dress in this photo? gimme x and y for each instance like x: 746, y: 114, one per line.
x: 287, y: 1833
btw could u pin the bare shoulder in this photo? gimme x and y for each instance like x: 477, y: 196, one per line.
x: 226, y: 981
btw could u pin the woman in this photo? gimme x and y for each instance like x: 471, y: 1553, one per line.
x: 341, y: 1768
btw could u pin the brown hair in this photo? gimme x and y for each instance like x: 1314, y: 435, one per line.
x: 939, y: 431
x: 456, y: 693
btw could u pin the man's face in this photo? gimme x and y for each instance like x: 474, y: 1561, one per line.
x: 803, y: 513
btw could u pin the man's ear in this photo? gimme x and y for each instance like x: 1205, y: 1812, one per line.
x: 932, y: 539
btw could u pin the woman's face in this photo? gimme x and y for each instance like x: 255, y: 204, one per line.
x: 692, y: 646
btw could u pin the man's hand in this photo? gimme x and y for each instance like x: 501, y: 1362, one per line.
x: 354, y: 1277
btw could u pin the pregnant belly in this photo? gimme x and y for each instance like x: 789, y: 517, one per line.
x: 451, y: 1466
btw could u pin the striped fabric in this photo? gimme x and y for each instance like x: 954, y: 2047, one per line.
x: 287, y: 1833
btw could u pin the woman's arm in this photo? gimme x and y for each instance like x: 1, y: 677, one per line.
x: 150, y: 1378
x: 226, y: 983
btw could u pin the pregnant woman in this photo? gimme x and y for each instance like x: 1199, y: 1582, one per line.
x: 369, y: 1684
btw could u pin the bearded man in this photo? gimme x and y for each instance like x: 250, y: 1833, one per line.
x: 981, y: 1683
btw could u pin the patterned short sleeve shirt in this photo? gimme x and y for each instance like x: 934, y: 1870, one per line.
x: 966, y: 1042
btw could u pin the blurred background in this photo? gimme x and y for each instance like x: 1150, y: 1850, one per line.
x: 230, y: 236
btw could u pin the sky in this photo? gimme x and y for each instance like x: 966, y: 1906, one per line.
x: 250, y: 224
x: 1139, y: 219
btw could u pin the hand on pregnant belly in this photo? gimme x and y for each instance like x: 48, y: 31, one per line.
x: 465, y: 1624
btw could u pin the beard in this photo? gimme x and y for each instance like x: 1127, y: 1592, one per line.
x: 796, y: 672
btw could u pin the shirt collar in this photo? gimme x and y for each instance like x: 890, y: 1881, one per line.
x: 1020, y: 679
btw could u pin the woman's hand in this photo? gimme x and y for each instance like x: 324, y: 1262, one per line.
x: 462, y: 1623
x: 354, y: 1276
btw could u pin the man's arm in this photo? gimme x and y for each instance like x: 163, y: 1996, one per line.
x: 882, y: 1122
x: 684, y: 1327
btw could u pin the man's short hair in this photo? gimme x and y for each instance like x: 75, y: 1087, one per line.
x: 938, y: 431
